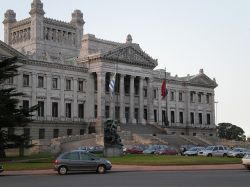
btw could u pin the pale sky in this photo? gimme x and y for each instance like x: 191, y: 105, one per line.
x: 184, y: 35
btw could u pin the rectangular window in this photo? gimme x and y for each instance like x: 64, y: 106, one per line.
x: 155, y: 94
x: 54, y: 109
x: 55, y: 133
x: 199, y: 97
x: 54, y: 83
x: 69, y: 132
x: 145, y: 114
x: 68, y: 84
x: 80, y: 86
x: 145, y: 92
x: 26, y: 132
x: 26, y: 80
x: 172, y: 96
x: 181, y: 117
x: 25, y: 104
x: 200, y: 118
x: 40, y: 82
x: 95, y: 111
x: 208, y: 119
x: 172, y: 117
x: 207, y: 99
x: 192, y: 117
x: 117, y: 112
x: 41, y: 133
x: 180, y: 96
x: 68, y: 110
x: 155, y: 115
x: 191, y: 97
x: 81, y: 111
x: 40, y: 109
x: 11, y: 132
x: 107, y: 112
x: 82, y: 132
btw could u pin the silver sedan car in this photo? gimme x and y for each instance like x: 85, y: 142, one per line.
x: 79, y: 160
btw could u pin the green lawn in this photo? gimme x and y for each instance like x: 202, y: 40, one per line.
x: 46, y: 161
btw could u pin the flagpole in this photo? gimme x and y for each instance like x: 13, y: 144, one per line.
x: 166, y: 119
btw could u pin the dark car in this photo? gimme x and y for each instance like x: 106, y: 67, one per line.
x: 79, y: 160
x: 1, y: 168
x: 166, y: 151
x: 138, y: 149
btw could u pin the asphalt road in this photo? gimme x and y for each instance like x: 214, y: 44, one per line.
x: 216, y: 178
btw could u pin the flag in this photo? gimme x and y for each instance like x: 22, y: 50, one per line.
x: 164, y: 91
x: 112, y: 83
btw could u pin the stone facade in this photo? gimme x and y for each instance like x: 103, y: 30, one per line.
x: 68, y: 72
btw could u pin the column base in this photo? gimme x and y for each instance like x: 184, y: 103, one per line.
x: 143, y: 122
x: 123, y: 120
x: 133, y: 121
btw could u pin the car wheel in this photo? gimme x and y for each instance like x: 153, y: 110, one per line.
x: 62, y: 170
x: 224, y: 155
x: 101, y: 169
x: 209, y: 155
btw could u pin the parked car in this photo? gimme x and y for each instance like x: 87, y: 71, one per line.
x: 218, y: 150
x: 246, y: 161
x: 193, y: 151
x: 137, y: 149
x: 96, y: 149
x: 80, y: 160
x: 153, y: 148
x: 1, y: 168
x: 237, y: 152
x: 166, y: 151
x: 186, y: 147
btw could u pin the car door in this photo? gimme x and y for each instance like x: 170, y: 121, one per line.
x: 71, y: 160
x: 215, y: 151
x: 88, y: 162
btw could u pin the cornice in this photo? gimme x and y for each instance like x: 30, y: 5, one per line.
x: 55, y: 65
x: 59, y: 23
x: 26, y: 21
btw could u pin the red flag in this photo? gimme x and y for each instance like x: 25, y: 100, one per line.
x: 163, y: 89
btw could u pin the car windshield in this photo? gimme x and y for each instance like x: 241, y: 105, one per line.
x: 193, y: 149
x: 210, y: 148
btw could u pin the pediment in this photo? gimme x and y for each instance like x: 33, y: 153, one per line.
x: 7, y: 51
x: 202, y: 79
x: 130, y: 54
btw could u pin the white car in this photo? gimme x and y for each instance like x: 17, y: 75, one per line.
x: 218, y: 150
x: 246, y: 161
x: 237, y: 152
x: 193, y: 151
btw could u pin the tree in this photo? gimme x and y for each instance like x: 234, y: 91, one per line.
x: 230, y: 132
x: 10, y: 114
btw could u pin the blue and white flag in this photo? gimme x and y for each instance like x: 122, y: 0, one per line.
x: 112, y: 83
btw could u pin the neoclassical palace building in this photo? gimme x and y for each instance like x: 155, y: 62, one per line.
x: 68, y: 73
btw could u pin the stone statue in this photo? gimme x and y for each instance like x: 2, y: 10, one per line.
x: 111, y: 137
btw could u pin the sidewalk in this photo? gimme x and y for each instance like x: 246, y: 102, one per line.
x: 127, y: 168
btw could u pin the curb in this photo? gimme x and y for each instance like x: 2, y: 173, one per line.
x: 136, y: 168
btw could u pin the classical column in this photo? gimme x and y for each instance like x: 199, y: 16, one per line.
x: 132, y: 96
x: 75, y: 104
x: 187, y: 111
x: 122, y: 107
x: 62, y: 102
x: 48, y: 111
x: 150, y: 101
x: 141, y: 101
x: 100, y: 102
x: 89, y: 105
x: 214, y: 116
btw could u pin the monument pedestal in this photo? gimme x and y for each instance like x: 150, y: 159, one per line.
x: 113, y: 151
